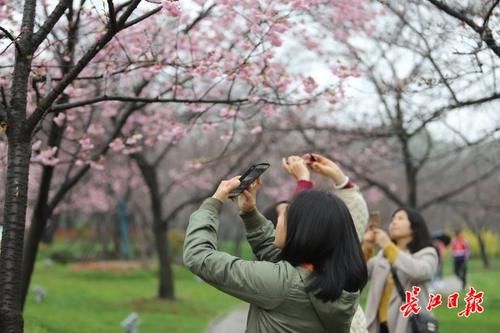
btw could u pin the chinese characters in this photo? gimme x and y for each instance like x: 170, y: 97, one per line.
x: 473, y: 302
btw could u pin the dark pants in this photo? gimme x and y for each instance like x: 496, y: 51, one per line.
x: 384, y: 328
x: 460, y: 265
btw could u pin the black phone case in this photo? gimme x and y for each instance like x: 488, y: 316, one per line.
x: 257, y: 170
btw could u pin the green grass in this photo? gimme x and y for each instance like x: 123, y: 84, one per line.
x: 97, y: 302
x: 482, y: 280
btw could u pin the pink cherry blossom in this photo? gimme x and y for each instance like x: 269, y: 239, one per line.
x: 59, y: 120
x: 132, y: 150
x: 195, y: 165
x: 96, y: 130
x: 343, y: 71
x: 226, y: 137
x: 275, y: 39
x: 309, y: 85
x: 97, y: 165
x: 48, y: 157
x: 86, y: 144
x: 117, y: 145
x: 37, y: 145
x: 256, y: 130
x: 134, y: 139
x: 172, y: 7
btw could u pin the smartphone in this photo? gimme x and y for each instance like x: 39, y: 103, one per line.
x: 309, y: 158
x: 248, y: 177
x: 374, y: 220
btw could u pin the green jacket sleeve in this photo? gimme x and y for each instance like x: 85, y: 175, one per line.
x: 260, y: 235
x: 261, y: 283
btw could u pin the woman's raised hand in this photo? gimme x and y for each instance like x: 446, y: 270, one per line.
x: 225, y: 187
x: 381, y: 237
x: 247, y: 201
x: 296, y: 166
x: 369, y: 239
x: 326, y: 167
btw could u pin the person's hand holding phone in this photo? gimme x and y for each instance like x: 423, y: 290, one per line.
x: 225, y: 187
x: 326, y: 167
x: 296, y: 166
x: 381, y: 238
x: 247, y: 201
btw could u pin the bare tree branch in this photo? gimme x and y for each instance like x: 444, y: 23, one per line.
x: 144, y: 100
x: 483, y: 31
x: 488, y: 15
x: 375, y: 183
x: 141, y: 18
x: 439, y: 112
x: 456, y: 14
x: 458, y: 190
x: 125, y: 16
x: 374, y: 133
x: 200, y: 17
x: 51, y: 21
x: 9, y: 36
x: 122, y: 6
x: 112, y: 15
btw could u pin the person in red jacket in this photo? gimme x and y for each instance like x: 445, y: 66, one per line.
x: 460, y: 251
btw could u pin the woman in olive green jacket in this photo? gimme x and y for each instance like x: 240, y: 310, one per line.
x: 309, y: 273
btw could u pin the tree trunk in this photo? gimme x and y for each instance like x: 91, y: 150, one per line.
x: 35, y: 234
x: 482, y: 250
x: 165, y: 274
x: 117, y: 241
x: 42, y: 213
x: 16, y: 192
x: 16, y: 185
x: 51, y: 229
x: 411, y: 183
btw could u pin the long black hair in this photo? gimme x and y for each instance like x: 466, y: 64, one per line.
x: 320, y: 231
x: 421, y: 236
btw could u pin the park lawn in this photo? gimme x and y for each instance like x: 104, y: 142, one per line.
x: 482, y: 280
x: 86, y: 302
x: 83, y: 302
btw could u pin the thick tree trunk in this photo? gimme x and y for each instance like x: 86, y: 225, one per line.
x: 11, y: 320
x: 16, y: 186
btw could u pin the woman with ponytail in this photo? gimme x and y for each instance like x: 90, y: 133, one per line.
x: 309, y: 271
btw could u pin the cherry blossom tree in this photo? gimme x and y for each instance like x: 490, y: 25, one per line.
x: 411, y: 113
x: 70, y: 62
